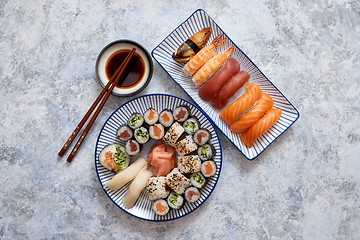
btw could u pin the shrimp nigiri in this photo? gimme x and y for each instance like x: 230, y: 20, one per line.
x: 211, y: 66
x: 202, y: 56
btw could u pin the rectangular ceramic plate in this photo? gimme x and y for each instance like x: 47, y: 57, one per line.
x: 198, y: 20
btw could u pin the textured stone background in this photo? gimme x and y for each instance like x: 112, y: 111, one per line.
x: 304, y: 186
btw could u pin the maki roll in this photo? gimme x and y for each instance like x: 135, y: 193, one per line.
x: 192, y: 194
x: 189, y: 164
x: 132, y: 147
x: 156, y: 188
x: 114, y: 157
x: 157, y: 131
x: 181, y: 113
x: 141, y: 135
x: 160, y: 207
x: 173, y: 134
x: 175, y: 200
x: 197, y: 180
x: 124, y: 133
x: 191, y: 125
x: 206, y: 152
x: 177, y: 182
x: 208, y: 168
x: 166, y: 118
x: 186, y: 146
x: 135, y: 120
x: 151, y: 116
x: 202, y: 136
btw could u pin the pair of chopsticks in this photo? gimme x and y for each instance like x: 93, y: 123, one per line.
x: 112, y: 83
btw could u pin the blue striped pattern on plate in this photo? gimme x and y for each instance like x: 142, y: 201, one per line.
x: 198, y: 20
x: 143, y: 207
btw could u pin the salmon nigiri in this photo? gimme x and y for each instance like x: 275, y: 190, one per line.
x: 234, y: 110
x: 260, y: 127
x: 211, y: 66
x: 254, y: 114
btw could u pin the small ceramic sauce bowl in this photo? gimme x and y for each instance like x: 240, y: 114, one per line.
x: 141, y: 67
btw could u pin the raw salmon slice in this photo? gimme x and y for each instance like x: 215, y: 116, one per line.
x: 254, y: 114
x: 238, y: 107
x: 260, y: 127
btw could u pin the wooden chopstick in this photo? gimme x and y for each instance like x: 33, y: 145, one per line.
x: 112, y: 83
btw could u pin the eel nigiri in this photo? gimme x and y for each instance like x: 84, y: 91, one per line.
x: 260, y: 127
x: 253, y: 115
x: 209, y: 90
x: 238, y: 107
x: 229, y: 89
x: 211, y: 66
x: 192, y: 46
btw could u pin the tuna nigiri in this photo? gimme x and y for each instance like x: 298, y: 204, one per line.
x: 229, y: 89
x: 253, y: 115
x: 260, y: 127
x: 233, y: 112
x: 209, y: 90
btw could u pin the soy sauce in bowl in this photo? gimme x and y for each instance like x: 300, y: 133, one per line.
x: 135, y: 71
x: 138, y: 73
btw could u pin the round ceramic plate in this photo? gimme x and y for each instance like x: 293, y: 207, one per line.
x: 143, y: 207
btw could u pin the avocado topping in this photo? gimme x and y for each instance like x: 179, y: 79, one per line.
x: 134, y: 120
x: 142, y: 134
x: 120, y: 158
x: 198, y: 178
x: 190, y: 124
x: 204, y: 152
x: 173, y: 199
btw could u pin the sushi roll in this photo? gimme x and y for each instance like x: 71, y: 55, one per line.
x: 206, y: 152
x: 160, y: 207
x: 124, y: 133
x: 202, y: 136
x: 141, y: 135
x: 186, y: 146
x: 177, y: 182
x: 132, y: 147
x: 189, y: 164
x: 156, y: 188
x: 136, y: 120
x: 157, y: 131
x: 191, y: 125
x: 197, y: 180
x: 166, y: 118
x: 208, y: 168
x: 114, y: 157
x: 192, y: 194
x: 175, y: 200
x: 173, y: 134
x: 151, y: 116
x: 181, y: 113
